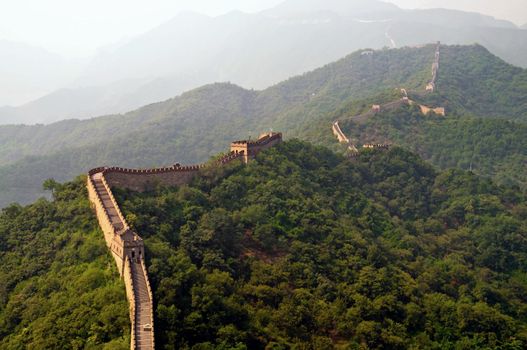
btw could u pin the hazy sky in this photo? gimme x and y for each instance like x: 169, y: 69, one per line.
x: 78, y: 27
x: 512, y: 10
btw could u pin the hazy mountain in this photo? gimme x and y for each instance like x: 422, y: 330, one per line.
x: 256, y: 51
x: 342, y: 7
x: 28, y: 72
x: 512, y: 10
x: 524, y: 26
x: 197, y: 124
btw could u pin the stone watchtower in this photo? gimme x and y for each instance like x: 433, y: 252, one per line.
x: 250, y: 149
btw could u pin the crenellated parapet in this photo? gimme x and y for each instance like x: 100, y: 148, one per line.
x: 383, y: 146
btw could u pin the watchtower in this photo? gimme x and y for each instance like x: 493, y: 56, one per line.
x: 250, y: 149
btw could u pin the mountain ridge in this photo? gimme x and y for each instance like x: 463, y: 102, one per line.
x: 250, y: 50
x: 197, y: 124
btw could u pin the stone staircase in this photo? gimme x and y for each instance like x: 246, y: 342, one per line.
x: 123, y: 244
x: 143, y: 309
x: 103, y: 194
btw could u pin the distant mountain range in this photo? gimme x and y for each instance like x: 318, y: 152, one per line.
x: 28, y: 72
x: 256, y: 51
x: 198, y: 124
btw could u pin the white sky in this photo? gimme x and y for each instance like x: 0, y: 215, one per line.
x: 512, y: 10
x: 77, y: 28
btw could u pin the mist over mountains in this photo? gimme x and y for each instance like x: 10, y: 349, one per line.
x: 27, y: 72
x: 255, y: 51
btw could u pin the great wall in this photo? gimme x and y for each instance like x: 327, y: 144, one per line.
x: 405, y: 100
x: 126, y: 246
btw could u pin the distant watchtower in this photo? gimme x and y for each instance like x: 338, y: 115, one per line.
x: 251, y: 148
x: 430, y: 87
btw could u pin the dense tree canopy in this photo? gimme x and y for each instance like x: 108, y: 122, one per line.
x: 490, y: 147
x: 303, y: 249
x: 59, y: 287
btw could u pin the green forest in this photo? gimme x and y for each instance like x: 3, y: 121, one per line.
x: 473, y: 82
x: 300, y: 249
x: 59, y: 287
x: 305, y: 249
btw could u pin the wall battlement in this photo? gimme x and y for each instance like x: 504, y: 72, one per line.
x: 126, y: 246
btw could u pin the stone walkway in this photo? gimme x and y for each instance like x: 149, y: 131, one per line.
x: 143, y: 303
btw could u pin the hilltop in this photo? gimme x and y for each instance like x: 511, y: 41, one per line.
x: 195, y: 125
x: 301, y: 247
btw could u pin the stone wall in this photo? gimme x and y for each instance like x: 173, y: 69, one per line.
x: 337, y: 131
x: 250, y: 149
x: 437, y: 110
x: 127, y: 246
x: 141, y: 180
x: 101, y: 213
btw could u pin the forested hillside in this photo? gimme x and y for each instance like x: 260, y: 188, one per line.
x: 59, y: 287
x: 196, y: 125
x: 192, y: 127
x: 301, y: 248
x: 490, y: 147
x: 305, y: 249
x: 472, y: 82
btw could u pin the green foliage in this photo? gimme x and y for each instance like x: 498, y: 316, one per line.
x: 472, y: 81
x: 303, y: 249
x: 59, y: 288
x: 490, y: 147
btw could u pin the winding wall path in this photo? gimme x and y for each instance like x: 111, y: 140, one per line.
x: 128, y: 252
x: 341, y: 136
x: 126, y: 246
